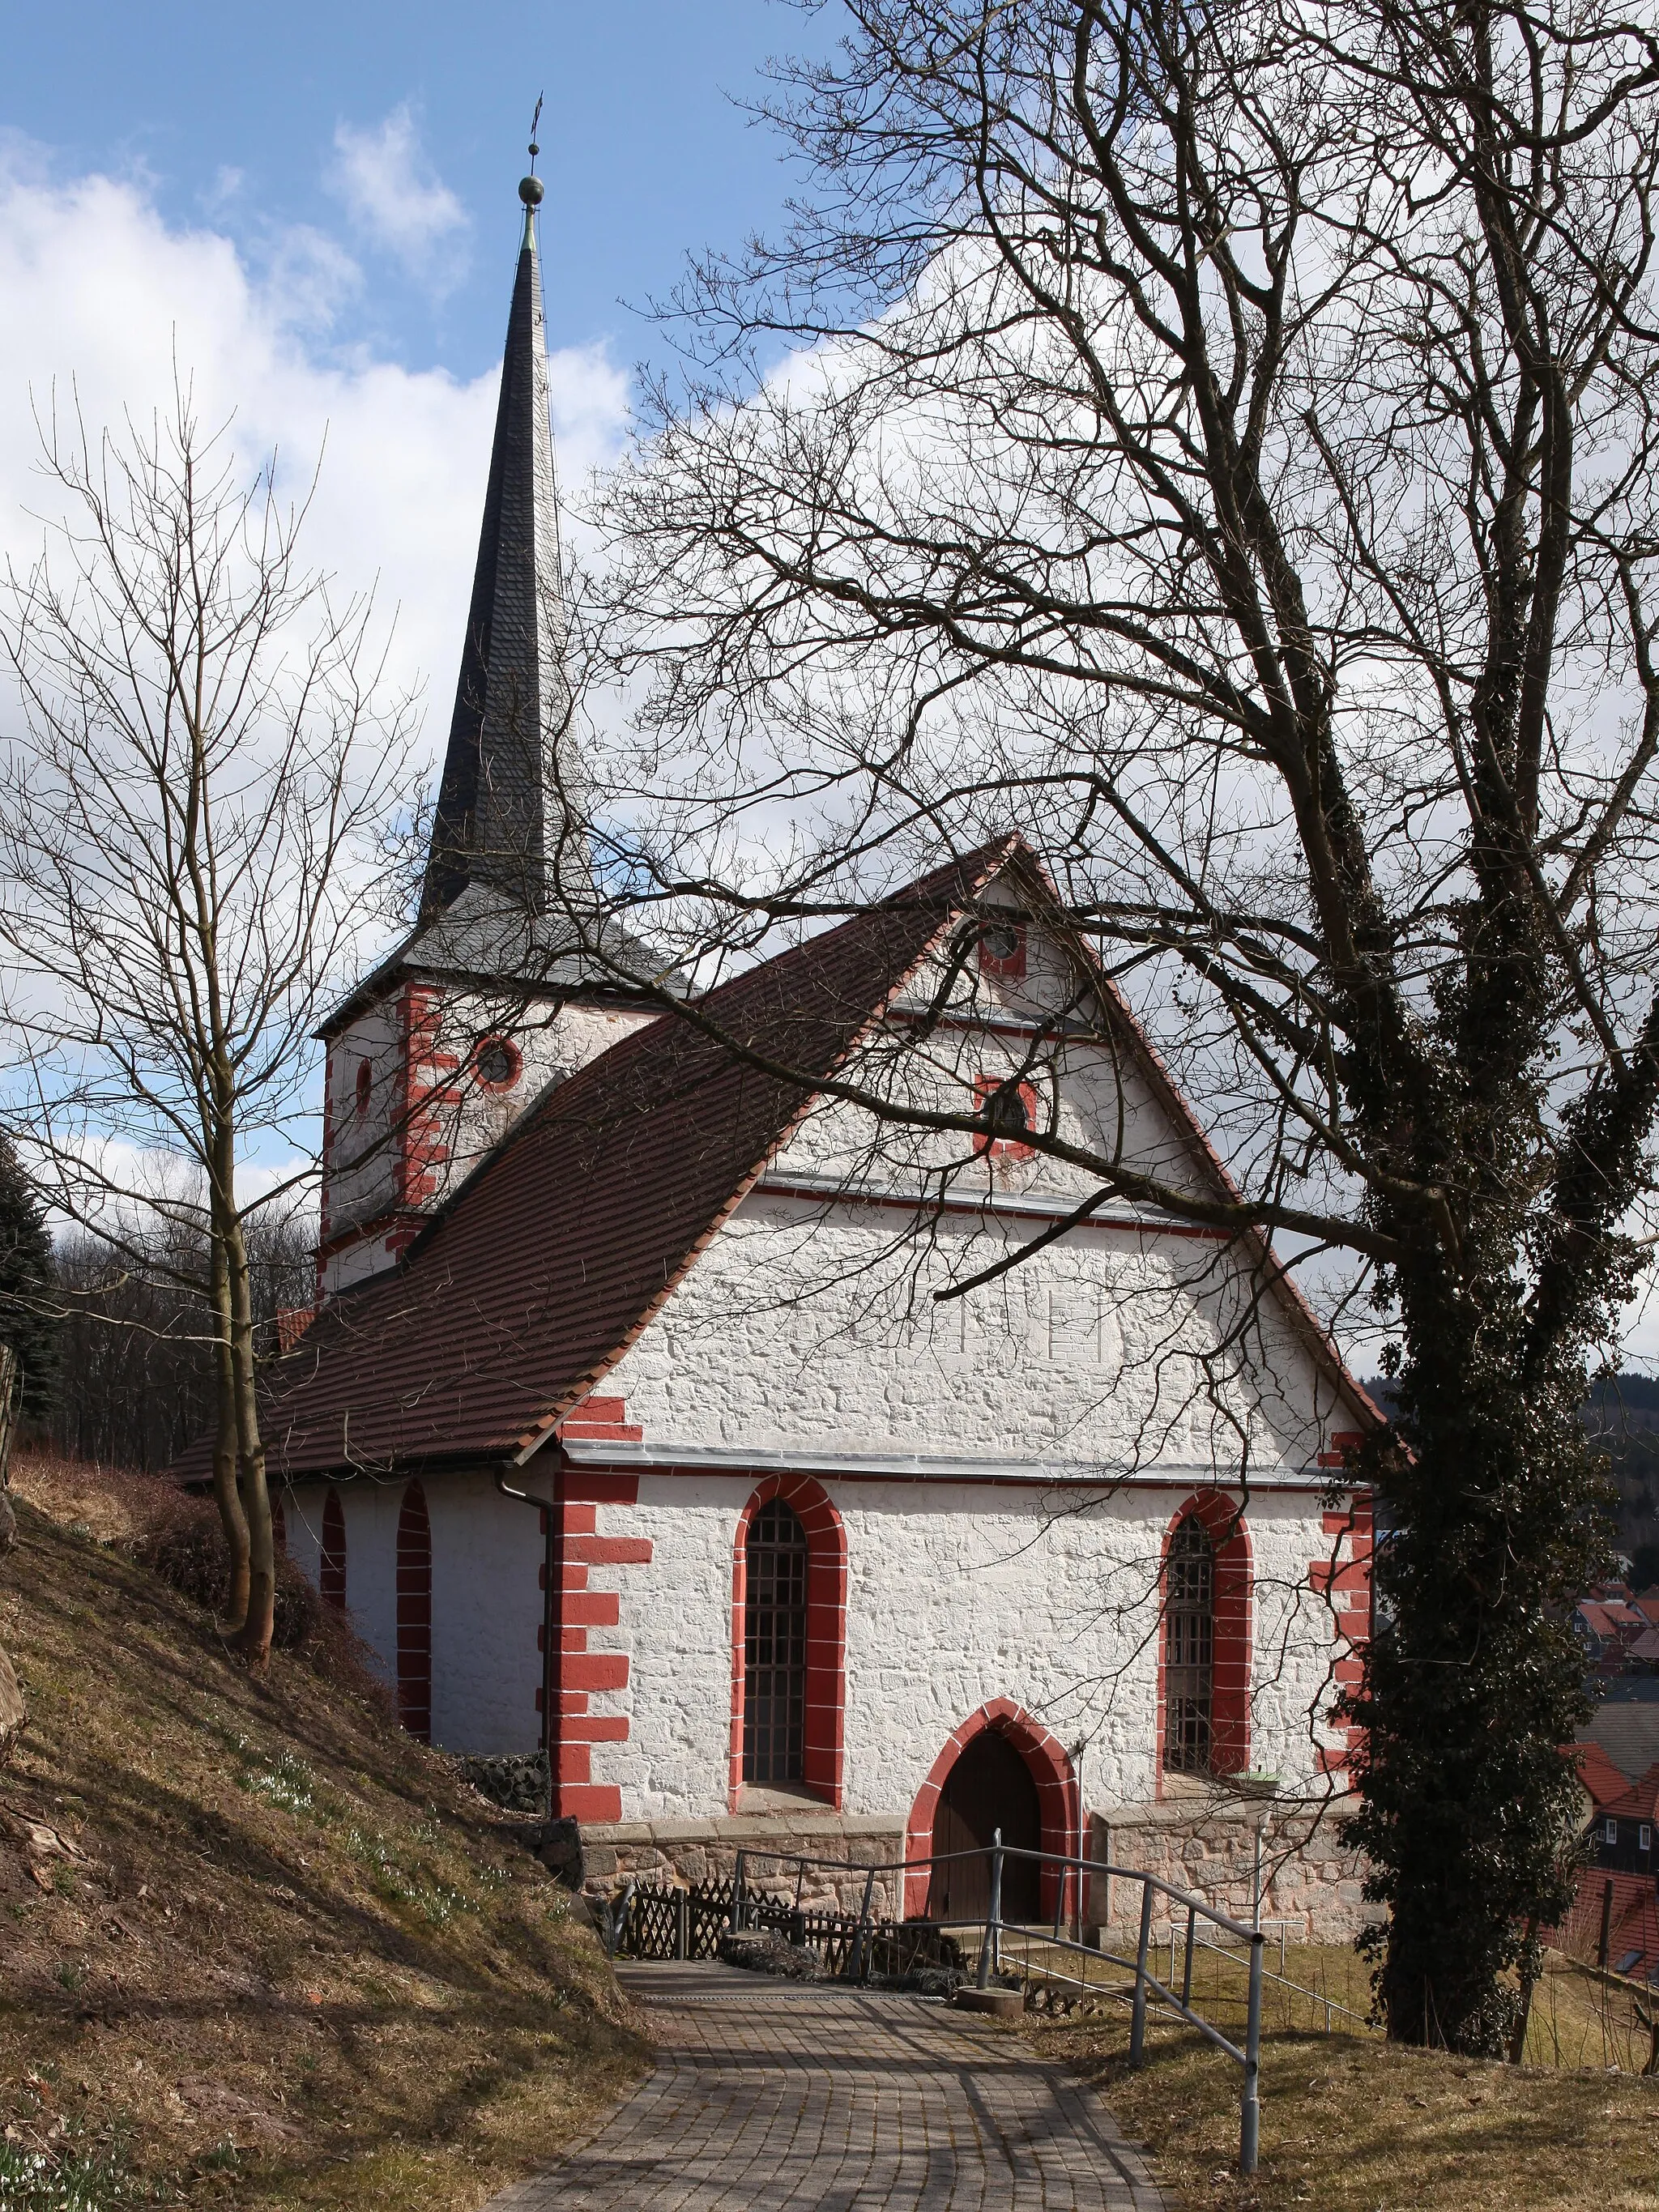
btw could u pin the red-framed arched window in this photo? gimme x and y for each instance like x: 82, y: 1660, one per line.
x: 414, y: 1614
x: 331, y: 1565
x: 789, y: 1636
x: 1204, y: 1662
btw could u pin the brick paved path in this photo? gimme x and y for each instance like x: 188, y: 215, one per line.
x: 768, y: 2095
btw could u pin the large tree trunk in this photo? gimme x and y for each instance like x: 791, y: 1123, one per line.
x: 1490, y: 1529
x: 9, y: 1397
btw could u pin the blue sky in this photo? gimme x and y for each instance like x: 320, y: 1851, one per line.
x: 311, y: 213
x: 262, y: 123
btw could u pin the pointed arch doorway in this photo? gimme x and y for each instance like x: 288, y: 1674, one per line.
x: 989, y: 1787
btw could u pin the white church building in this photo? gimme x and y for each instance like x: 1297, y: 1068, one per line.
x: 630, y: 1425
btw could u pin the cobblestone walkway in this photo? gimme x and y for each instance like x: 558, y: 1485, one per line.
x: 768, y: 2095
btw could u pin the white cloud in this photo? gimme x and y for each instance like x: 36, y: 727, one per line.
x: 397, y: 199
x: 227, y: 185
x: 309, y: 277
x: 99, y: 296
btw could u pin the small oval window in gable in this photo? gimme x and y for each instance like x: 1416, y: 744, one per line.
x: 1002, y: 950
x: 365, y: 1084
x: 498, y: 1063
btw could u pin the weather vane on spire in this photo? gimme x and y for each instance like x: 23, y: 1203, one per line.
x: 530, y: 187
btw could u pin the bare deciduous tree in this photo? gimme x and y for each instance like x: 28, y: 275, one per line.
x: 1219, y: 442
x: 186, y: 829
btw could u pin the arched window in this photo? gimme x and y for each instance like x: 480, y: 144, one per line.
x: 331, y: 1568
x: 414, y: 1614
x: 789, y: 1640
x: 775, y: 1646
x: 1189, y: 1649
x: 278, y: 1522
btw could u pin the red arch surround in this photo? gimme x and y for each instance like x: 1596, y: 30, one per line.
x: 1223, y: 1518
x: 331, y: 1558
x: 414, y: 1614
x: 1051, y: 1768
x: 826, y: 1633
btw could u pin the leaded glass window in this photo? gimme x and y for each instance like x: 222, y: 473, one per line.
x: 1188, y: 1649
x: 775, y: 1647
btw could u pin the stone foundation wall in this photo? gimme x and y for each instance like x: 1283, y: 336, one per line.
x: 1202, y: 1844
x: 677, y: 1851
x: 1308, y: 1879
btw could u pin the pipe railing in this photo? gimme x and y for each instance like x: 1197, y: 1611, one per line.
x: 1146, y: 1986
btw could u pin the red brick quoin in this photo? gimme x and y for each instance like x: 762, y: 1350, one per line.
x: 1344, y: 1579
x: 580, y: 1676
x: 1229, y: 1676
x: 826, y: 1633
x: 1050, y: 1767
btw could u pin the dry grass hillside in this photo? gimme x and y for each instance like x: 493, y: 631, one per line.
x: 259, y: 1948
x: 1351, y: 2124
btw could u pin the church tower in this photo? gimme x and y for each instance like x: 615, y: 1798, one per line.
x: 497, y: 992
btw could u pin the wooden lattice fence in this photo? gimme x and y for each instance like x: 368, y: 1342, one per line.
x: 653, y: 1921
x: 659, y: 1923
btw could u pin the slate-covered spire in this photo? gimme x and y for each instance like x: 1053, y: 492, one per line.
x: 508, y: 820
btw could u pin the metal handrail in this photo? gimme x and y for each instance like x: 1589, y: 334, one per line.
x: 1145, y: 1982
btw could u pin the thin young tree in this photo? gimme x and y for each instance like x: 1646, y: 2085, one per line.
x: 189, y: 817
x: 1219, y: 443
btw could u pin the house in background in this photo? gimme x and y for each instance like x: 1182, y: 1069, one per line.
x: 631, y: 1427
x: 1614, y: 1920
x: 1609, y: 1628
x: 1624, y: 1828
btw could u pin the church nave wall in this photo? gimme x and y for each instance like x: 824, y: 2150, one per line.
x: 804, y: 1329
x: 957, y: 1595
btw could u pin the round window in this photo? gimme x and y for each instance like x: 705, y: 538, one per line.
x: 498, y: 1062
x: 1000, y: 941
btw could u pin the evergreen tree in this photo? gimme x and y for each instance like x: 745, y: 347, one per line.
x: 29, y: 1320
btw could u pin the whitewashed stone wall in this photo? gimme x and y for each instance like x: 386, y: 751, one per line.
x: 957, y: 1595
x: 366, y: 1145
x: 802, y: 1328
x: 487, y: 1603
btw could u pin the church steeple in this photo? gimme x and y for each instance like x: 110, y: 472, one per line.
x: 509, y: 806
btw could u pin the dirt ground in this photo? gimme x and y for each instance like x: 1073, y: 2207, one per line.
x: 261, y: 1948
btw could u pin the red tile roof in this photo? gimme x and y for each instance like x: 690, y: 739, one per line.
x: 1610, y: 1619
x: 543, y: 1268
x: 1637, y: 1800
x: 1603, y: 1780
x: 557, y: 1251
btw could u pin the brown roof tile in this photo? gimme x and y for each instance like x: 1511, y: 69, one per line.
x: 543, y: 1266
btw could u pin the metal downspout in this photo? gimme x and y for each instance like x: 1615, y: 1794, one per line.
x: 552, y: 1512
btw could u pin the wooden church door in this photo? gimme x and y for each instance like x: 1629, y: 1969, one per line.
x: 990, y: 1787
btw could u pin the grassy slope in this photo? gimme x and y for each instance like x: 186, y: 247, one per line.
x: 1350, y: 2123
x: 299, y: 1966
